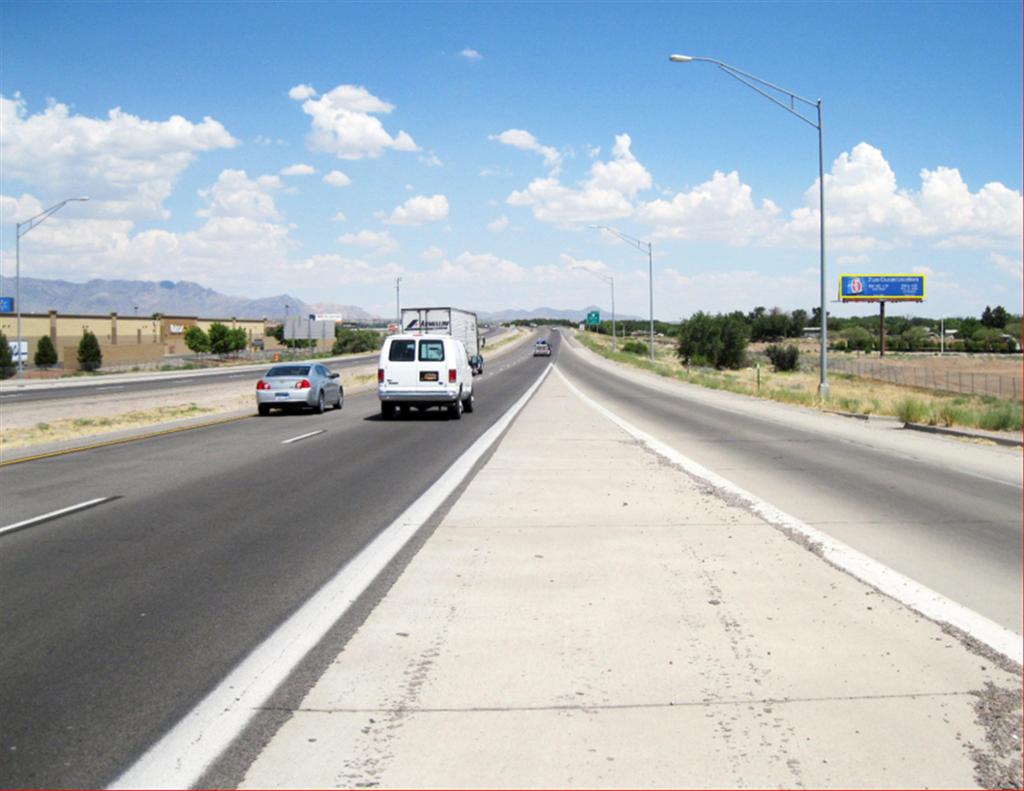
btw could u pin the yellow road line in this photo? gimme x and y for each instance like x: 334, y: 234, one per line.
x: 123, y: 440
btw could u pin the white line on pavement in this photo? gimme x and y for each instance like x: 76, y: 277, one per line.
x: 905, y: 590
x: 179, y: 759
x: 110, y: 387
x: 302, y: 436
x: 53, y: 515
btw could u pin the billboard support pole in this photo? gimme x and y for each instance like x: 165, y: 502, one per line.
x: 881, y: 327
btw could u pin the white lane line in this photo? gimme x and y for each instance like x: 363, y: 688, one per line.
x: 302, y: 436
x: 179, y: 759
x: 924, y: 600
x: 10, y: 395
x: 110, y: 387
x: 54, y: 514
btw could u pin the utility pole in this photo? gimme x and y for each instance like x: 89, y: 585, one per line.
x: 398, y: 303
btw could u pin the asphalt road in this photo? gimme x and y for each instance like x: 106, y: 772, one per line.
x: 920, y: 504
x: 116, y: 620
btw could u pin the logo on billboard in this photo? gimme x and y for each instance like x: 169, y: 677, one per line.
x: 856, y: 286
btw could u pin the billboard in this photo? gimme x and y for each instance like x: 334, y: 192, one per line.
x: 6, y: 304
x: 875, y: 288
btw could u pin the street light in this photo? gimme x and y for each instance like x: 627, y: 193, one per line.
x: 28, y: 225
x: 611, y: 282
x: 749, y: 80
x: 398, y: 303
x: 639, y: 244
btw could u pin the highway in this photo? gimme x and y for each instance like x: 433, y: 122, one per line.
x: 119, y: 618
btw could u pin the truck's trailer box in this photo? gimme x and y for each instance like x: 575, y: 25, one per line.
x: 460, y: 324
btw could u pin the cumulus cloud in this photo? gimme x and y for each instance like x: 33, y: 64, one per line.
x: 345, y: 123
x: 432, y: 254
x: 471, y: 54
x: 494, y: 268
x: 498, y: 225
x: 606, y: 195
x: 432, y: 160
x: 234, y: 194
x: 127, y: 164
x: 524, y: 141
x: 589, y: 264
x: 721, y: 208
x: 381, y: 241
x: 298, y: 170
x: 419, y: 210
x: 1014, y: 267
x: 337, y: 179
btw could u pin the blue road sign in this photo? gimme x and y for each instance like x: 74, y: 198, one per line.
x: 6, y: 304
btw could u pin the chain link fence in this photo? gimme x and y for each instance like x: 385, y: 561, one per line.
x: 945, y: 380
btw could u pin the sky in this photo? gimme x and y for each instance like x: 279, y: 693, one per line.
x: 471, y: 149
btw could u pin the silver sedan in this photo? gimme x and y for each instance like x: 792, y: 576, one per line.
x: 298, y: 385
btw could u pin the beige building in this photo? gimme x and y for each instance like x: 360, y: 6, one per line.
x: 124, y: 340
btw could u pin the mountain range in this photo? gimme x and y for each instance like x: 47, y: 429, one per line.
x: 184, y: 298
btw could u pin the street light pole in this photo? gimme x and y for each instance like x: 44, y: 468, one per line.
x: 398, y: 303
x: 640, y: 245
x: 761, y: 85
x: 28, y: 225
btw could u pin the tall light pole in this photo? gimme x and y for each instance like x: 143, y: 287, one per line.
x: 749, y: 80
x: 639, y: 244
x: 611, y: 282
x: 21, y: 229
x: 398, y: 303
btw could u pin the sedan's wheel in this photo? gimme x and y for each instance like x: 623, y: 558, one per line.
x: 264, y: 409
x: 320, y: 403
x: 341, y: 398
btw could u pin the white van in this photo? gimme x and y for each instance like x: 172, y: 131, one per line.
x: 423, y: 371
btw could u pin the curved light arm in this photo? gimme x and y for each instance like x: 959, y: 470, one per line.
x: 749, y: 79
x: 606, y: 278
x: 639, y: 244
x: 23, y: 228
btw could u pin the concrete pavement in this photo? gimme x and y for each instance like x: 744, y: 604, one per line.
x: 564, y: 628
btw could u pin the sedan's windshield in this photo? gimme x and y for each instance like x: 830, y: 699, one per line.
x: 288, y: 370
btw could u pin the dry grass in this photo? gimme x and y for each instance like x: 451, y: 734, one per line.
x: 847, y: 393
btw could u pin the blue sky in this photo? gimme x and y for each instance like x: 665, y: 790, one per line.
x: 468, y: 147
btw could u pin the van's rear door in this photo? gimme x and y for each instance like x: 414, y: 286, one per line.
x: 400, y: 368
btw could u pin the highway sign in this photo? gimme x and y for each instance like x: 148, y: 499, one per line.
x: 876, y: 288
x: 6, y: 304
x: 594, y: 317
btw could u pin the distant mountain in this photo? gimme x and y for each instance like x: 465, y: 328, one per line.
x: 166, y: 296
x: 549, y: 313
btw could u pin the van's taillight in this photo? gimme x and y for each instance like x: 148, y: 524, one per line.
x: 380, y: 375
x: 261, y: 385
x: 302, y: 385
x: 451, y: 375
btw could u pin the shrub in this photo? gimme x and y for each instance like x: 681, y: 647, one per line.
x: 45, y: 355
x: 89, y: 355
x: 6, y: 358
x: 634, y: 347
x: 858, y: 339
x: 238, y: 339
x: 1005, y: 416
x: 784, y: 358
x: 912, y: 410
x: 196, y: 340
x: 221, y: 339
x: 718, y: 341
x: 348, y: 341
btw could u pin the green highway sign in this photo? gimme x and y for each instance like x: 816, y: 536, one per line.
x: 594, y: 317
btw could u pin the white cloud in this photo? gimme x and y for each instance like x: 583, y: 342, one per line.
x: 432, y: 253
x: 605, y: 195
x: 721, y: 208
x: 337, y: 179
x: 487, y: 265
x: 589, y: 264
x: 853, y: 260
x: 419, y: 210
x: 498, y: 225
x: 339, y: 217
x: 298, y: 170
x: 344, y: 122
x: 236, y: 195
x: 15, y: 210
x: 1014, y: 267
x: 126, y: 164
x: 339, y: 270
x: 381, y: 242
x: 471, y: 54
x: 432, y: 160
x: 524, y: 141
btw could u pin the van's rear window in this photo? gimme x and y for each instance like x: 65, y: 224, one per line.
x: 402, y: 351
x: 288, y: 370
x: 431, y: 351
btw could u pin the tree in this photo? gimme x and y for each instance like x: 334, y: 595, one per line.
x: 6, y: 358
x: 45, y: 355
x: 348, y: 341
x: 797, y: 322
x: 995, y: 318
x: 220, y: 343
x: 719, y: 341
x: 238, y: 339
x: 89, y: 355
x: 196, y: 340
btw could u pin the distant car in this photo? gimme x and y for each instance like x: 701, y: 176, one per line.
x: 476, y: 364
x: 298, y: 385
x: 541, y: 349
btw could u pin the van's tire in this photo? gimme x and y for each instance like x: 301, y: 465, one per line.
x: 320, y: 405
x: 467, y: 405
x: 387, y: 410
x: 455, y: 410
x: 264, y: 409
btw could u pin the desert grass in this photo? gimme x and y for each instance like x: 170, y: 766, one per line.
x: 847, y: 393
